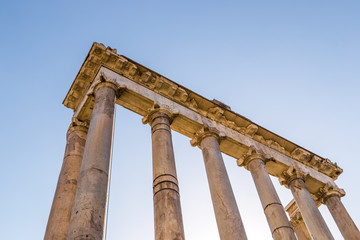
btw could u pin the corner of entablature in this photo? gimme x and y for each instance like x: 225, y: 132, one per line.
x: 102, y: 81
x: 205, y: 131
x: 328, y: 190
x: 292, y: 173
x: 160, y: 108
x: 252, y: 153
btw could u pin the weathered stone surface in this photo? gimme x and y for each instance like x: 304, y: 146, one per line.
x: 297, y: 222
x: 100, y: 56
x: 294, y: 179
x: 227, y: 214
x: 274, y: 211
x: 88, y: 214
x: 330, y: 195
x: 104, y: 72
x: 167, y: 209
x: 59, y: 218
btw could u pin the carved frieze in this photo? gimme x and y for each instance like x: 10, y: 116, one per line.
x: 100, y: 55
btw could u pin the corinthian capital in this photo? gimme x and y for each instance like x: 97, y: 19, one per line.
x: 156, y: 109
x: 252, y: 154
x: 105, y: 81
x: 328, y: 191
x: 76, y: 124
x: 291, y: 174
x: 205, y: 131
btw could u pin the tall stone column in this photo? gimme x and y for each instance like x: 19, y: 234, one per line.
x: 330, y: 196
x: 274, y: 211
x: 59, y: 218
x: 295, y: 180
x: 89, y: 211
x: 297, y: 222
x: 227, y: 214
x: 167, y: 209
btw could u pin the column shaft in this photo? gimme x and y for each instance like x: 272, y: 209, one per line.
x: 59, y: 218
x: 89, y: 211
x: 301, y: 230
x: 342, y: 218
x: 227, y: 214
x: 275, y: 214
x: 167, y: 208
x: 309, y: 211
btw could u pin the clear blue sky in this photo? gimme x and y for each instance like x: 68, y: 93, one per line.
x: 290, y: 66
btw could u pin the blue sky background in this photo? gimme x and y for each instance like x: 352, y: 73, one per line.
x: 290, y: 66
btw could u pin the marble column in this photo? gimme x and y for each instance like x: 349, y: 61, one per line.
x: 307, y: 206
x: 274, y: 211
x: 167, y: 209
x: 89, y: 211
x: 227, y: 214
x: 59, y: 218
x: 331, y: 198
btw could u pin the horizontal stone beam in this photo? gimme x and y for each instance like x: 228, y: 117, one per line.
x: 140, y: 99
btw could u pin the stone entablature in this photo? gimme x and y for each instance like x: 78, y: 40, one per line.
x: 80, y: 204
x: 220, y: 115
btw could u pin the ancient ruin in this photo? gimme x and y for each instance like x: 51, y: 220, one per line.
x: 106, y: 79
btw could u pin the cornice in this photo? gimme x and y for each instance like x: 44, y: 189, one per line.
x: 99, y: 56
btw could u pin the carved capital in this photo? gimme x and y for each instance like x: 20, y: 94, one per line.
x: 204, y: 132
x: 291, y: 174
x: 108, y: 82
x: 77, y: 125
x: 252, y: 154
x: 328, y: 191
x: 157, y: 109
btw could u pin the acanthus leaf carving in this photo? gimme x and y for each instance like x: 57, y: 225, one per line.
x: 329, y: 190
x: 291, y: 174
x: 156, y: 108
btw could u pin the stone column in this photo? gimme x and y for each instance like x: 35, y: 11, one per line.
x: 331, y: 197
x: 274, y: 211
x: 295, y: 180
x: 89, y: 211
x: 59, y: 218
x: 167, y: 209
x: 297, y: 222
x: 227, y: 214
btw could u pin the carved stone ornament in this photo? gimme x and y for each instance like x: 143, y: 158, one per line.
x: 329, y: 190
x: 204, y: 132
x: 251, y: 155
x: 102, y: 56
x: 291, y: 174
x: 104, y: 81
x: 156, y: 108
x: 76, y: 124
x: 296, y: 219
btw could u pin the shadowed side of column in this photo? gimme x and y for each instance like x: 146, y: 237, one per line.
x: 88, y: 214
